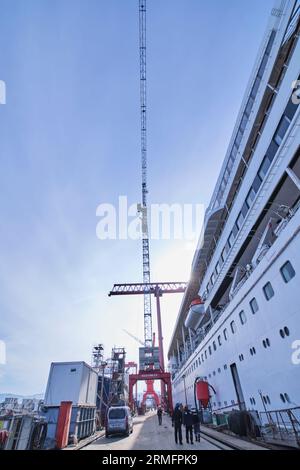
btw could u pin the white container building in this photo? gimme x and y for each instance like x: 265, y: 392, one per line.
x: 71, y: 381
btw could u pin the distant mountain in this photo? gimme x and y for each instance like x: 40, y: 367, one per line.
x: 38, y: 396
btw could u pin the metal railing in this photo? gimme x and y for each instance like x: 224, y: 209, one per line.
x: 281, y: 425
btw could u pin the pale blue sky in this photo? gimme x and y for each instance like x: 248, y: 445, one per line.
x: 70, y: 140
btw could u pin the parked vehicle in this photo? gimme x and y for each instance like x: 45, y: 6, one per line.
x: 119, y: 421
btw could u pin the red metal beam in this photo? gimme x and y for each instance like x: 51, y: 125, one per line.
x: 150, y: 288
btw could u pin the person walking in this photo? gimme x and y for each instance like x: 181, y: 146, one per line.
x: 177, y: 423
x: 188, y: 422
x: 159, y: 415
x: 196, y: 425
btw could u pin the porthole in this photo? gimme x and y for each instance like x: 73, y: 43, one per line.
x: 287, y: 398
x: 282, y: 397
x: 287, y: 331
x: 264, y: 344
x: 268, y: 342
x: 281, y: 332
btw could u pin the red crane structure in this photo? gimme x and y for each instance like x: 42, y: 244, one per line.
x: 157, y: 289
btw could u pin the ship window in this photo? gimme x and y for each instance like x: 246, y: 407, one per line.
x: 212, y: 278
x: 255, y: 87
x: 219, y: 370
x: 230, y: 163
x: 239, y: 220
x: 290, y: 109
x: 234, y: 230
x: 250, y: 197
x: 287, y: 331
x: 253, y: 305
x: 265, y: 165
x: 281, y: 129
x: 249, y: 106
x: 282, y: 397
x: 256, y: 183
x: 217, y: 268
x: 244, y: 209
x: 214, y: 346
x: 281, y: 332
x: 233, y: 326
x: 202, y: 357
x: 230, y: 239
x: 225, y: 334
x: 268, y: 291
x: 243, y: 317
x: 205, y: 354
x: 223, y: 255
x: 262, y: 66
x: 219, y: 340
x: 287, y: 398
x: 209, y: 349
x: 225, y: 366
x: 244, y: 122
x: 287, y: 271
x: 272, y: 149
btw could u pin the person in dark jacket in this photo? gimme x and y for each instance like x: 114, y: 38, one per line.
x: 188, y: 422
x: 177, y: 423
x: 196, y: 425
x: 159, y: 415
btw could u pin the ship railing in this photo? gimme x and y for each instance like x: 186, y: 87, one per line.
x: 281, y: 425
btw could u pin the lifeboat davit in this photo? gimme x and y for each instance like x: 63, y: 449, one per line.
x: 196, y: 311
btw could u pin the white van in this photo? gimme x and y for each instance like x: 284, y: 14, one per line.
x: 119, y: 421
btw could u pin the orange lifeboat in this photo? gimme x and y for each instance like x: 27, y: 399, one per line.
x: 202, y: 393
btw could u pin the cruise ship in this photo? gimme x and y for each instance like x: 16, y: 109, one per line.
x: 238, y: 327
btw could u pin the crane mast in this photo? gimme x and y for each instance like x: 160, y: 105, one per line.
x: 143, y: 206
